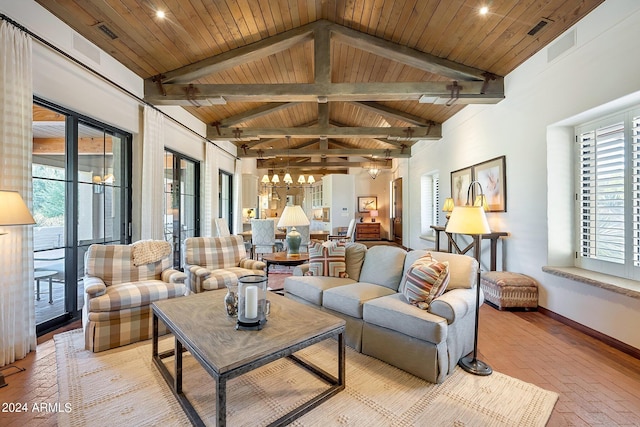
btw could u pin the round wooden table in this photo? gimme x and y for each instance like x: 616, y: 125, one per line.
x: 281, y: 258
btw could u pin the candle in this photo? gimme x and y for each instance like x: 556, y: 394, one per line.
x: 251, y: 302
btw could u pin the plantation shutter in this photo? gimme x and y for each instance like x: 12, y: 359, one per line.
x: 635, y: 188
x: 602, y: 175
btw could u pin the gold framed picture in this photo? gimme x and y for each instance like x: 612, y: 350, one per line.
x: 367, y: 203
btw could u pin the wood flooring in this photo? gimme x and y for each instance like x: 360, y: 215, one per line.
x: 598, y: 385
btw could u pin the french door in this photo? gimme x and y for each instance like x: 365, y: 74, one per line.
x: 81, y: 195
x: 181, y: 201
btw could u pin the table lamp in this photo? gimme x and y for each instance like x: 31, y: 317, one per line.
x: 448, y: 207
x: 14, y: 212
x: 293, y: 216
x: 472, y: 220
x: 373, y: 214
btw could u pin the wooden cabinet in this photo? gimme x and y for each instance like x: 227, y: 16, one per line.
x: 368, y: 231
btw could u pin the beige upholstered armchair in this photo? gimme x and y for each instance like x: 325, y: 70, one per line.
x: 214, y: 262
x: 120, y: 283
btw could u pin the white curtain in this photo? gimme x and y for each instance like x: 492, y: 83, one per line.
x: 17, y: 307
x: 237, y: 203
x: 210, y: 190
x: 152, y: 224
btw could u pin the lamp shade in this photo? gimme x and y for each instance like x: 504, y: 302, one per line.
x: 448, y: 205
x: 311, y: 179
x: 373, y: 213
x: 468, y: 220
x: 287, y: 178
x: 293, y: 216
x: 14, y: 211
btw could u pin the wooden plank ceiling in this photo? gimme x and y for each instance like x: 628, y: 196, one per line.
x: 307, y: 83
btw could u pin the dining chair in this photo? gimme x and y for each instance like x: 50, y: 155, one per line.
x: 220, y: 228
x: 347, y: 237
x: 263, y: 236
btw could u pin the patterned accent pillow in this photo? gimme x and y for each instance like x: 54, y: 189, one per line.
x: 425, y: 281
x: 327, y: 259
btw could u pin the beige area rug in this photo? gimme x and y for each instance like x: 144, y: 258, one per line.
x: 123, y: 387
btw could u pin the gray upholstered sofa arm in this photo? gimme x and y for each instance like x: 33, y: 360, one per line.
x: 455, y: 304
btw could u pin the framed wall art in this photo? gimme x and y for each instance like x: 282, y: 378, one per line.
x: 367, y: 203
x: 492, y: 176
x: 460, y: 181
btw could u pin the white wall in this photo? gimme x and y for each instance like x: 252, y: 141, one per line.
x: 542, y: 99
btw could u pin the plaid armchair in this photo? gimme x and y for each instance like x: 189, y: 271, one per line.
x: 214, y: 262
x: 118, y: 294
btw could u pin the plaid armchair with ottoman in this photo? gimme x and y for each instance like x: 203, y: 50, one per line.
x: 120, y: 283
x: 214, y: 262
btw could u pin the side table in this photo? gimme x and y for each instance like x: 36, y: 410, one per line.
x: 281, y: 258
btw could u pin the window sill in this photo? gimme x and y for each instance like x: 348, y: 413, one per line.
x: 630, y: 288
x: 427, y: 237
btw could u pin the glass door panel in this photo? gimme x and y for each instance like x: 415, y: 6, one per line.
x: 181, y: 201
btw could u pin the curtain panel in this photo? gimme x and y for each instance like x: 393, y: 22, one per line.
x: 17, y: 306
x: 151, y: 209
x: 210, y: 195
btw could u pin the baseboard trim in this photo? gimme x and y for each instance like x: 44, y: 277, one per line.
x: 618, y: 345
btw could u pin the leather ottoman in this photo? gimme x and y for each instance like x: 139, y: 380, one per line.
x: 505, y: 290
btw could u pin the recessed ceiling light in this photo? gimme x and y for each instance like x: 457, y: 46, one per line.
x: 160, y: 14
x: 484, y: 10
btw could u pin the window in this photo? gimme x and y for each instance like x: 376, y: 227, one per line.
x: 608, y: 192
x: 430, y: 200
x: 225, y: 203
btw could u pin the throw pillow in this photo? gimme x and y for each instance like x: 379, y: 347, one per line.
x: 425, y: 281
x: 327, y: 259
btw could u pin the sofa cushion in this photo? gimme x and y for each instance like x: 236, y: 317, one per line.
x: 463, y: 269
x: 135, y: 294
x: 327, y: 259
x: 354, y: 257
x: 393, y: 312
x: 383, y: 265
x: 424, y: 281
x: 349, y: 299
x: 311, y: 288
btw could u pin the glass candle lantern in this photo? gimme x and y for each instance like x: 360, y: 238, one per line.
x: 252, y: 302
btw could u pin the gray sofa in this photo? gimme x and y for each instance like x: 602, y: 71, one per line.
x: 379, y: 320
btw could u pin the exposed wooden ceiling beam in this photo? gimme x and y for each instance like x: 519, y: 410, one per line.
x: 186, y: 95
x: 241, y: 55
x: 260, y: 111
x: 391, y: 133
x: 267, y: 164
x: 405, y: 55
x: 392, y: 113
x: 329, y: 152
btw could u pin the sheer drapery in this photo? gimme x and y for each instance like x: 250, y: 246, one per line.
x: 151, y: 226
x: 237, y: 208
x: 17, y: 307
x: 210, y: 189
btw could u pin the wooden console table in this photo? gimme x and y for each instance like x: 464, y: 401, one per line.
x: 451, y: 243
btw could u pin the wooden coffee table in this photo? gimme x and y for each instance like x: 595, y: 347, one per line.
x: 281, y: 258
x: 200, y: 325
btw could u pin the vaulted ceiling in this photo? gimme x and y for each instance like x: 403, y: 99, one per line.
x: 314, y: 84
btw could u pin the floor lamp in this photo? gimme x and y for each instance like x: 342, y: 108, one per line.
x: 14, y: 212
x: 472, y: 220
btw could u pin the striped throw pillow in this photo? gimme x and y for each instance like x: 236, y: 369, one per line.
x: 425, y: 281
x: 327, y: 259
